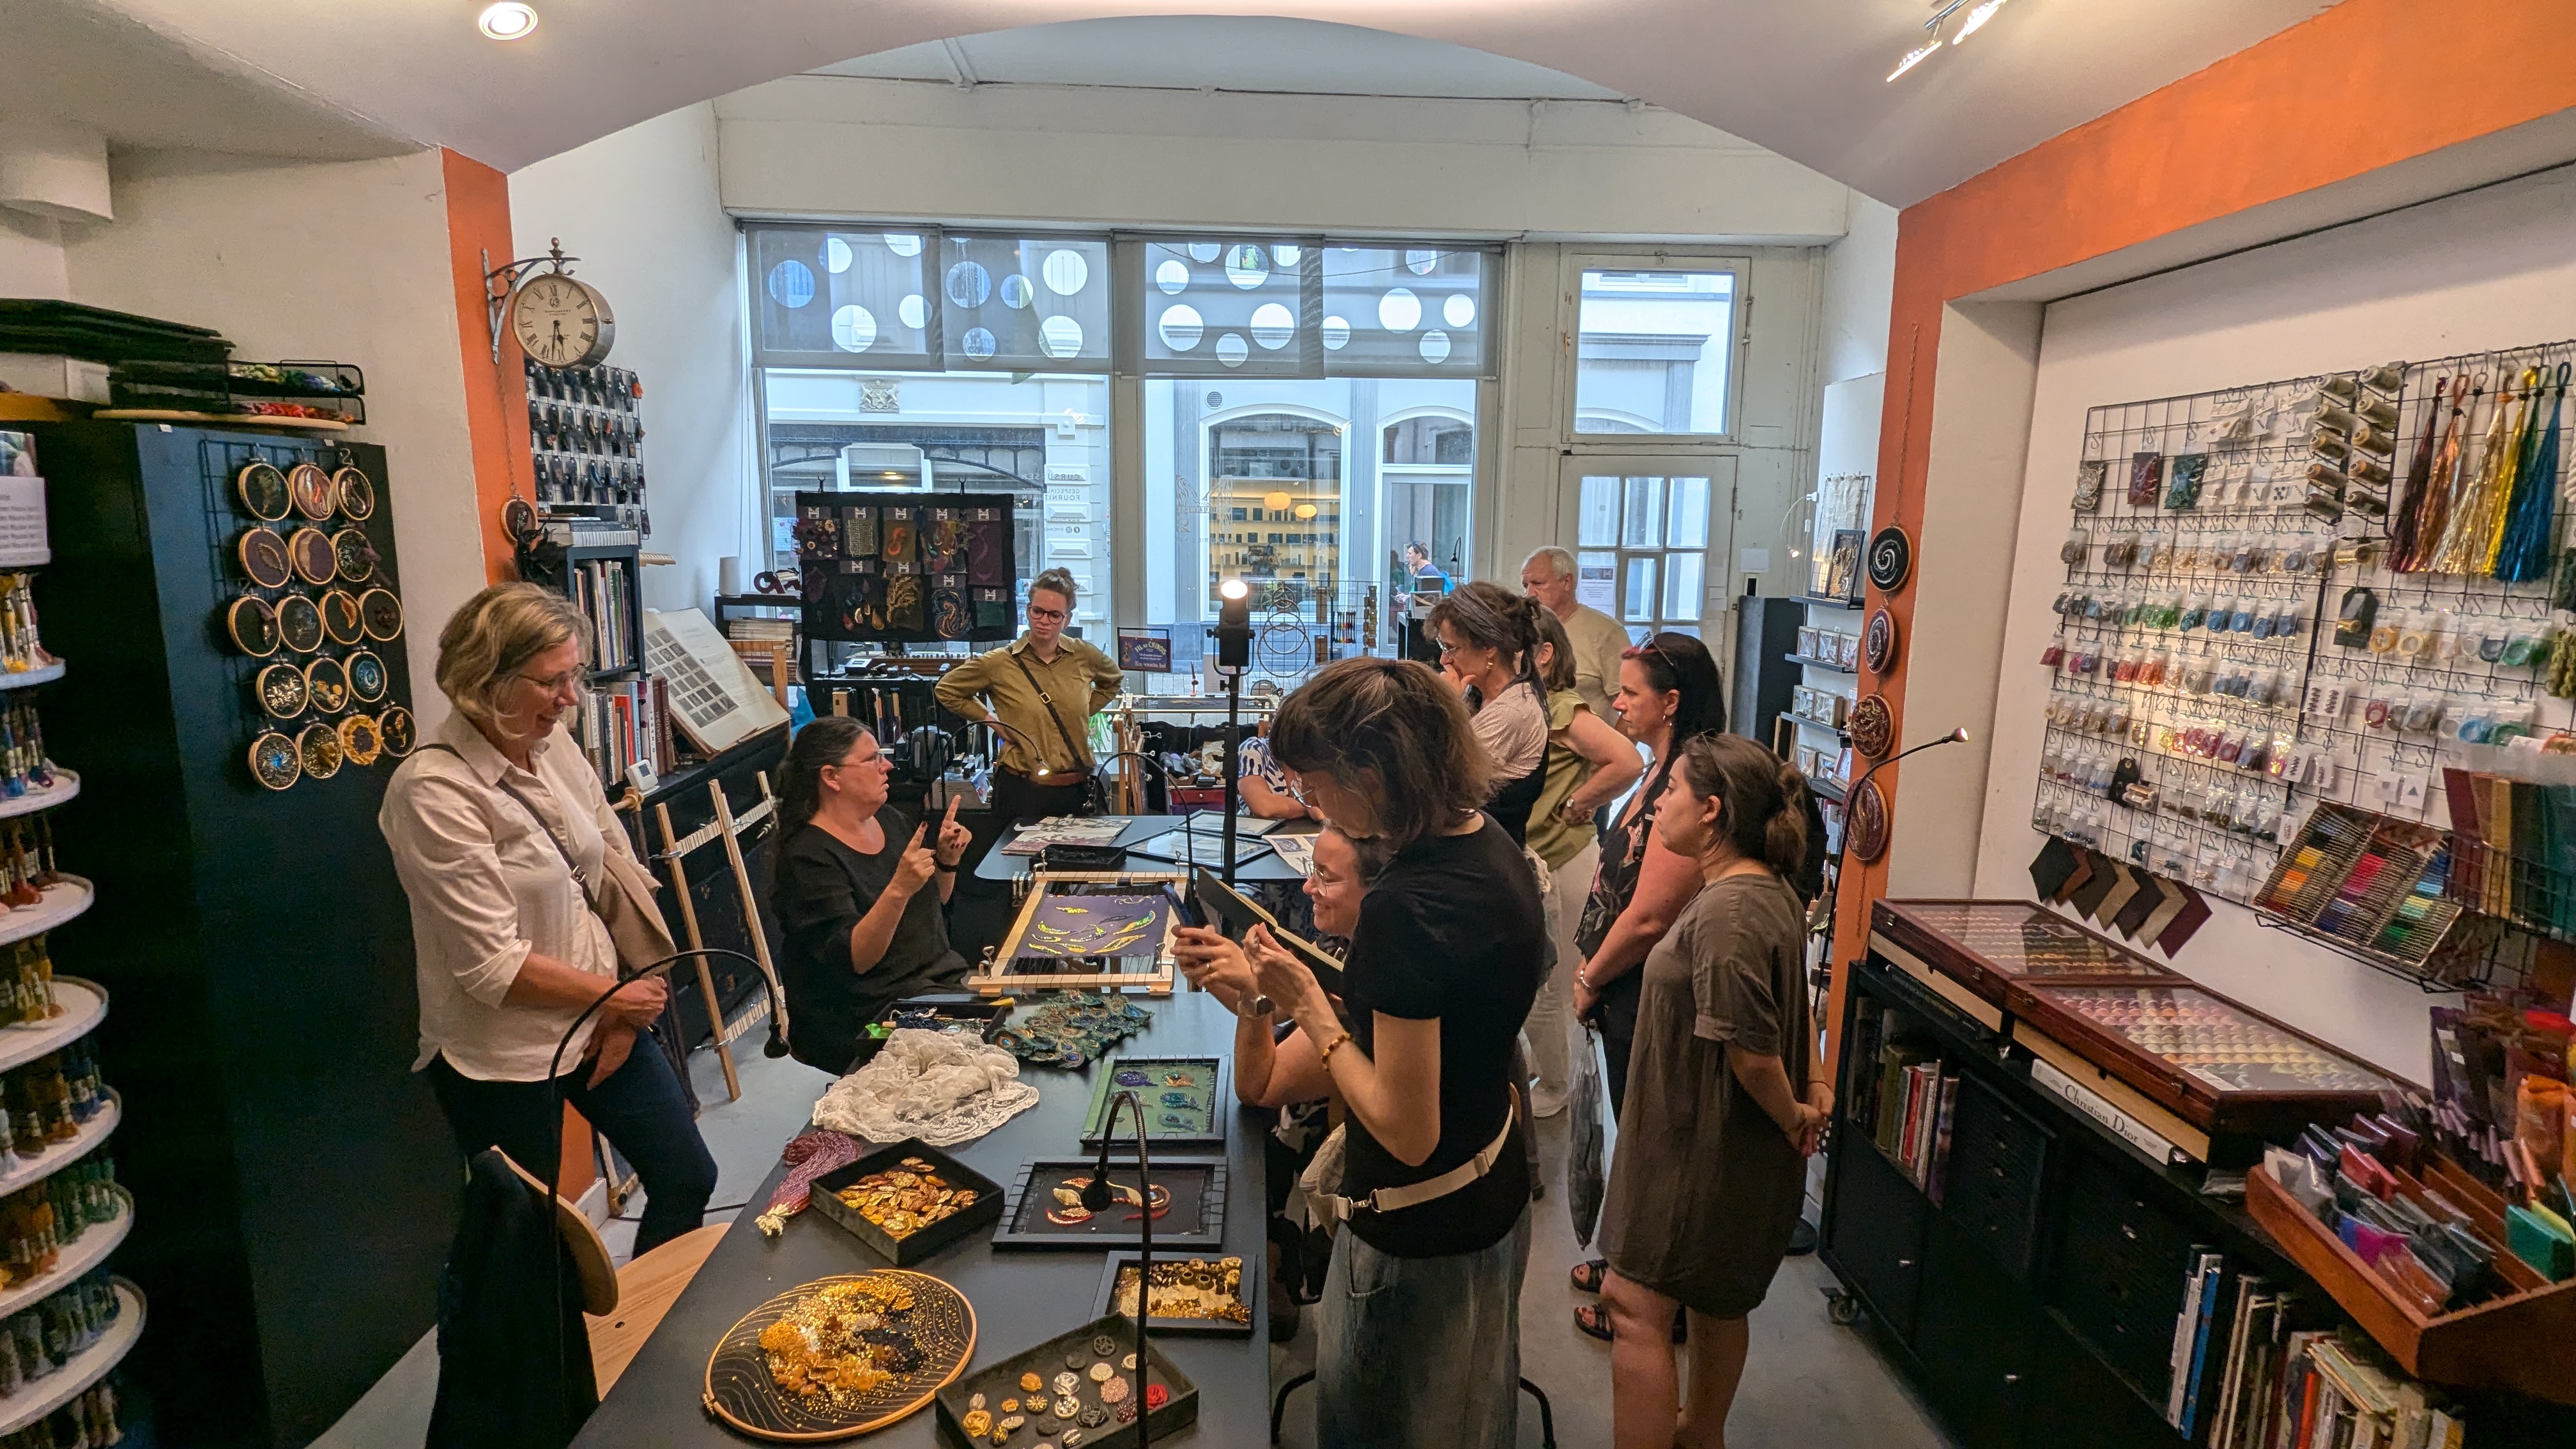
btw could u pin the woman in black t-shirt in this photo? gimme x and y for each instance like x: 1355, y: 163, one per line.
x: 860, y: 932
x: 1419, y: 1328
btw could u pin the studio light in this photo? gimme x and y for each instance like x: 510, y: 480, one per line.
x: 1915, y: 57
x: 508, y: 20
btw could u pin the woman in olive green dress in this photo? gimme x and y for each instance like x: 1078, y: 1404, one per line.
x: 1725, y: 1099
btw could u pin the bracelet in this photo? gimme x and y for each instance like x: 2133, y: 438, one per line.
x: 945, y: 869
x: 1326, y: 1060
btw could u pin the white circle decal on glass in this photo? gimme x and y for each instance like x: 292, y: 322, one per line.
x: 1273, y: 325
x: 977, y: 344
x: 1230, y: 349
x: 1204, y: 251
x: 1247, y: 266
x: 1337, y: 333
x: 1060, y: 336
x: 1399, y: 310
x: 1065, y: 271
x: 1181, y: 327
x: 836, y: 255
x: 1435, y: 347
x: 1018, y: 291
x: 1286, y: 256
x: 969, y: 284
x: 791, y: 282
x: 903, y: 243
x: 1459, y: 310
x: 1421, y: 261
x: 914, y: 314
x: 854, y: 329
x: 1171, y: 276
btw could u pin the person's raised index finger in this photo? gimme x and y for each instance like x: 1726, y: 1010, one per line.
x: 916, y: 832
x: 951, y: 817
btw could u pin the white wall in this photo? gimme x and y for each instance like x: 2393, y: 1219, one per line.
x: 31, y: 257
x: 641, y: 210
x: 1858, y: 289
x: 828, y: 145
x: 340, y: 259
x: 2486, y: 270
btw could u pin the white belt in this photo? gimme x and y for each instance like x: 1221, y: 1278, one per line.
x: 1414, y: 1194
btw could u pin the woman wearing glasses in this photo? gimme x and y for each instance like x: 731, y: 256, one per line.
x: 1040, y: 691
x: 1418, y: 1332
x: 1488, y: 639
x: 502, y: 837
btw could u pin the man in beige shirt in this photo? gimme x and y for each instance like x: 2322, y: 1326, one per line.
x: 1548, y: 576
x: 1027, y: 687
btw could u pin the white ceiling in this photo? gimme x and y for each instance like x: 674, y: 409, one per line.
x: 71, y: 62
x: 1801, y: 77
x: 1226, y: 53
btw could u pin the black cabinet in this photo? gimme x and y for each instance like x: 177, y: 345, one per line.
x: 1998, y: 1166
x: 1976, y: 1336
x: 2118, y: 1275
x: 1875, y: 1228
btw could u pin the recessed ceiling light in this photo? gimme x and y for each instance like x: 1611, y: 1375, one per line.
x: 1977, y: 18
x: 508, y: 20
x: 1914, y: 58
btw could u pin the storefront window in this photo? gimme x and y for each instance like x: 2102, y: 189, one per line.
x: 1652, y: 352
x: 1642, y: 550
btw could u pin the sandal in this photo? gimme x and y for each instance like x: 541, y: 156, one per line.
x: 1587, y: 1276
x: 1593, y: 1320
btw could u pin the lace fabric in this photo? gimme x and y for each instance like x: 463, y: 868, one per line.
x: 940, y: 1088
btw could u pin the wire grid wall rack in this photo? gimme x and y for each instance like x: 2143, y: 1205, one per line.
x: 2202, y: 702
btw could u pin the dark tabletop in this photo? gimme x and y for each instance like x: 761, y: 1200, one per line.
x: 1266, y: 866
x: 1021, y: 1297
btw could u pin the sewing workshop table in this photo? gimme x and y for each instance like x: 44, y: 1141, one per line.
x: 1022, y: 1297
x: 1267, y: 866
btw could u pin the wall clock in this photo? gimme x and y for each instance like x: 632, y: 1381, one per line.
x: 562, y: 321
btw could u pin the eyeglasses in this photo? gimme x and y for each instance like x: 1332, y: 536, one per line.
x: 1053, y: 616
x: 577, y: 677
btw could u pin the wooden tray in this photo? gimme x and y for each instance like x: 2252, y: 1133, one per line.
x: 2517, y: 1341
x: 1180, y: 1228
x: 1000, y: 1381
x: 996, y: 976
x: 740, y: 1391
x: 912, y: 1248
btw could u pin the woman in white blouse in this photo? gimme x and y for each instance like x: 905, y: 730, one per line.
x: 500, y: 832
x: 1489, y: 649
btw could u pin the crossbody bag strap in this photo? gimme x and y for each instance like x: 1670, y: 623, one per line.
x: 1080, y: 755
x: 580, y: 877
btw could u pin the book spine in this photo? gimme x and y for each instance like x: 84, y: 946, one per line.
x: 1937, y: 1163
x: 2178, y: 1360
x: 2213, y: 1286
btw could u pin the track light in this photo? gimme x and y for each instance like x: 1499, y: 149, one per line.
x: 508, y: 20
x: 1915, y: 57
x: 1977, y: 19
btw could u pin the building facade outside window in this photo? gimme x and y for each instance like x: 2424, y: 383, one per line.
x: 1652, y: 352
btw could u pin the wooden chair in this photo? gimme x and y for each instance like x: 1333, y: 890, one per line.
x: 646, y: 1289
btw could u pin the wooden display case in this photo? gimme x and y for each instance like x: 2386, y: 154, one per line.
x: 1974, y: 952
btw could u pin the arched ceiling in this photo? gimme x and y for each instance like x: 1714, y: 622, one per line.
x: 1804, y: 78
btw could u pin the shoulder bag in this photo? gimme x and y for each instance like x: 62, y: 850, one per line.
x: 1094, y: 798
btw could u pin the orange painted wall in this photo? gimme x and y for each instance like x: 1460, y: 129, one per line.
x: 2365, y: 85
x: 496, y: 397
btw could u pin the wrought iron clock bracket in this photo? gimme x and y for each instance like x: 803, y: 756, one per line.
x: 500, y: 283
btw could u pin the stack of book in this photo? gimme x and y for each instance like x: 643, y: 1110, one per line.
x: 1910, y: 1100
x: 2258, y: 1383
x: 604, y: 591
x: 625, y: 724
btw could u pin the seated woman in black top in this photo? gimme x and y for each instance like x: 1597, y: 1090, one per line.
x: 860, y: 932
x: 1418, y: 1336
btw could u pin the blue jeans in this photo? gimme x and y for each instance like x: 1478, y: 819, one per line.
x: 639, y: 1109
x: 1414, y: 1353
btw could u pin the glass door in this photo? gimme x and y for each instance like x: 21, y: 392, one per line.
x: 1643, y: 531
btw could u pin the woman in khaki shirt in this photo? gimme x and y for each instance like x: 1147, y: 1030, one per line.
x: 500, y: 831
x: 1040, y: 690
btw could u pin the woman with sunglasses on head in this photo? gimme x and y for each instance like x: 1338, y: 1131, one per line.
x: 1039, y: 693
x: 861, y: 930
x: 504, y: 841
x: 1419, y: 1327
x: 1488, y: 639
x: 1726, y: 1100
x: 1669, y: 694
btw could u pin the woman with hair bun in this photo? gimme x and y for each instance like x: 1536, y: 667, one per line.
x: 1488, y: 639
x: 1725, y: 1098
x: 860, y: 932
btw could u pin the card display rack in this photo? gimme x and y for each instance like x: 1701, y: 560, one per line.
x: 586, y: 438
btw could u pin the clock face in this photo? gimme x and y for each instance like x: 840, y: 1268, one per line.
x: 561, y: 322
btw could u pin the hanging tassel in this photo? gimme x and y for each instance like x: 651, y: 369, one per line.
x: 2439, y: 492
x: 2533, y: 520
x: 2406, y: 524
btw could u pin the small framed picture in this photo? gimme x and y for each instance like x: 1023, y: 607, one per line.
x: 1844, y: 579
x: 1147, y: 651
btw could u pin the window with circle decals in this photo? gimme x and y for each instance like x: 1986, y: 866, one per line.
x: 830, y: 297
x: 1024, y: 304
